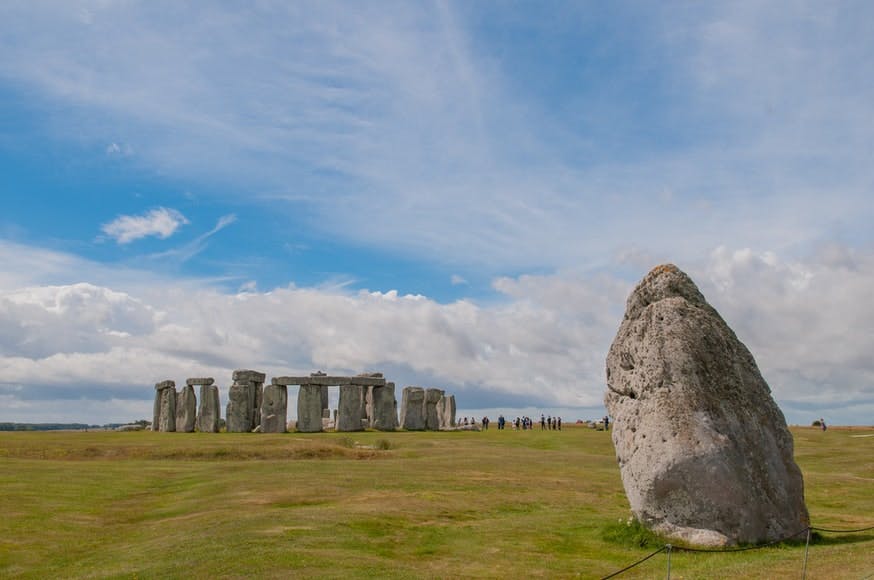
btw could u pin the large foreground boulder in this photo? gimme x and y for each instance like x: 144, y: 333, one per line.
x: 703, y: 449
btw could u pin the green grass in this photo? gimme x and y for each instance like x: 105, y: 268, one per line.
x: 400, y: 505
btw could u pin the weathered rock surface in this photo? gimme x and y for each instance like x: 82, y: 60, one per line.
x: 186, y: 410
x: 274, y: 409
x: 252, y: 383
x: 351, y: 410
x: 703, y: 449
x: 383, y: 406
x: 323, y: 392
x: 200, y: 381
x: 309, y: 408
x: 432, y: 418
x: 238, y: 415
x: 446, y: 412
x: 209, y: 409
x: 413, y: 409
x: 165, y: 407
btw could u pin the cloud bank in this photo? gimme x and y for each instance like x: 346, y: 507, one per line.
x: 541, y: 343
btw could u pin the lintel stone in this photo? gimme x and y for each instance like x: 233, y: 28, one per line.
x: 328, y: 381
x: 165, y: 385
x: 248, y: 375
x: 200, y: 381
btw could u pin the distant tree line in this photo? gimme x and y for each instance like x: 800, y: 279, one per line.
x: 65, y: 426
x: 44, y: 426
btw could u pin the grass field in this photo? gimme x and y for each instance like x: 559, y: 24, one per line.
x: 357, y: 505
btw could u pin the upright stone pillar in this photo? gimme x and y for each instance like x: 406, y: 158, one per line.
x: 209, y: 409
x: 238, y: 415
x: 246, y: 416
x: 432, y: 420
x: 323, y: 392
x: 309, y: 408
x: 351, y: 409
x: 186, y: 410
x: 413, y: 409
x: 368, y: 406
x: 384, y: 406
x: 446, y: 412
x: 274, y: 409
x: 165, y: 406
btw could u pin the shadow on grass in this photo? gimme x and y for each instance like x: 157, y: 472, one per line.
x: 833, y: 540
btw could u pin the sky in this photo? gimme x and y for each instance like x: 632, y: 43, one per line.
x: 458, y: 194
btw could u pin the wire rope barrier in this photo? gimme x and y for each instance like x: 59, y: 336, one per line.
x: 668, y: 548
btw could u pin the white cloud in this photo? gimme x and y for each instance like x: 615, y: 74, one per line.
x: 160, y: 222
x: 197, y: 245
x: 457, y: 280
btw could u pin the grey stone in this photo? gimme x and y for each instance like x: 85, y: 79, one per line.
x: 252, y: 383
x: 156, y: 412
x: 156, y: 408
x: 432, y: 419
x: 274, y: 409
x: 703, y: 449
x: 324, y: 394
x: 248, y: 375
x: 200, y: 381
x: 413, y: 409
x: 309, y: 408
x: 329, y: 381
x: 165, y: 385
x: 167, y: 408
x: 209, y: 410
x: 258, y: 396
x: 238, y: 416
x: 383, y: 408
x: 186, y: 410
x: 446, y: 412
x: 351, y: 408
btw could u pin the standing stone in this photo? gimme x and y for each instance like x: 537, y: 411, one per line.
x: 309, y: 408
x: 258, y: 388
x: 446, y: 412
x: 323, y: 392
x: 252, y: 383
x: 432, y: 419
x: 238, y: 415
x: 274, y: 409
x: 383, y: 407
x: 413, y: 409
x: 368, y: 406
x: 209, y: 409
x: 186, y: 410
x: 164, y: 411
x: 703, y: 449
x: 351, y: 408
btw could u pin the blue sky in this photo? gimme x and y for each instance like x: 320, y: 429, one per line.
x: 459, y: 194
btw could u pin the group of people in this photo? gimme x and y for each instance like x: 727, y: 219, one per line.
x: 526, y: 423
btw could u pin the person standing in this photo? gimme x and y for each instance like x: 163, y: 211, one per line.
x: 822, y: 424
x: 606, y: 422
